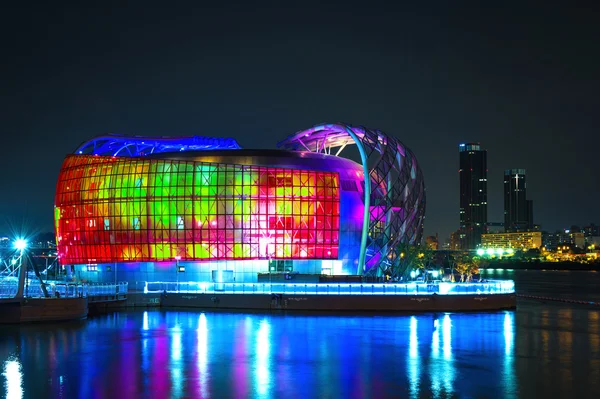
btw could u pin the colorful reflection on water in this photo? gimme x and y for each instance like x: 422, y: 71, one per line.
x: 194, y: 354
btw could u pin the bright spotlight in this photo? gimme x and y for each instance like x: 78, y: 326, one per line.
x: 20, y: 244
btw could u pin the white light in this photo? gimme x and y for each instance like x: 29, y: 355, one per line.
x: 480, y: 251
x: 14, y: 379
x: 20, y: 244
x: 435, y: 273
x: 262, y: 366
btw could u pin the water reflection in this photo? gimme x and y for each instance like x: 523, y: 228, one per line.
x: 176, y: 365
x: 157, y: 354
x: 14, y: 379
x: 441, y: 368
x: 202, y: 355
x: 509, y: 342
x: 262, y: 366
x: 413, y: 358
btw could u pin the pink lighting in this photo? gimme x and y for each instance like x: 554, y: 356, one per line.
x: 136, y: 210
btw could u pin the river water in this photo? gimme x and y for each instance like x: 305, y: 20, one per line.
x: 541, y: 350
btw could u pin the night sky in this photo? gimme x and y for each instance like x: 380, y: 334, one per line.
x: 522, y: 81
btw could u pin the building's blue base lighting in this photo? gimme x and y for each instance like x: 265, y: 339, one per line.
x: 485, y: 288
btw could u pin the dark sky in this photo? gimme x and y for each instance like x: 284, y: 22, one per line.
x: 523, y: 81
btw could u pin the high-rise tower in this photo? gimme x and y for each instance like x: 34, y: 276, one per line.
x: 473, y: 194
x: 518, y: 210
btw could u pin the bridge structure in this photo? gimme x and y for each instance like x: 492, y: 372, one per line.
x: 36, y: 273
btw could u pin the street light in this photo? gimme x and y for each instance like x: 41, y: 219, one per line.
x: 20, y: 244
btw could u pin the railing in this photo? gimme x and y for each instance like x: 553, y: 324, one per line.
x: 8, y: 288
x: 59, y: 289
x: 483, y: 288
x: 100, y: 289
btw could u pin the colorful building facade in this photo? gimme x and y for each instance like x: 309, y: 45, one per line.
x: 134, y: 207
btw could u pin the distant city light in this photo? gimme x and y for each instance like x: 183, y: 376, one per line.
x: 480, y: 252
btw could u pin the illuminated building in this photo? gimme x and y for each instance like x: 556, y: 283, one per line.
x: 565, y: 237
x: 473, y: 194
x: 515, y: 240
x: 142, y: 204
x: 592, y: 230
x: 518, y: 210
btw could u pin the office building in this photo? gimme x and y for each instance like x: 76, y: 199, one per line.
x: 518, y: 210
x: 473, y: 194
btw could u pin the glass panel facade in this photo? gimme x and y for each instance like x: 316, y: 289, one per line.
x: 135, y: 209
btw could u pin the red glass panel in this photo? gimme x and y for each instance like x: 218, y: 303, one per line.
x: 120, y: 209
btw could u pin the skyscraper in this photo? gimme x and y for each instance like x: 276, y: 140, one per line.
x: 473, y: 194
x: 518, y: 210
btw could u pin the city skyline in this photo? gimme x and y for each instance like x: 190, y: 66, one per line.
x: 521, y: 81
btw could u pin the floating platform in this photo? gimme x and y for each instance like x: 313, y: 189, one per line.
x: 408, y: 303
x: 25, y: 310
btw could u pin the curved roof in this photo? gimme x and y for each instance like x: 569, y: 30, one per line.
x: 394, y: 196
x: 132, y: 146
x: 321, y: 137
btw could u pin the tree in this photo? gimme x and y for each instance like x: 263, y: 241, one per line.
x: 467, y: 265
x: 410, y: 257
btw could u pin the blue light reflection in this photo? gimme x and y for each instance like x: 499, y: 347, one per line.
x: 218, y: 354
x: 413, y: 359
x: 202, y: 353
x: 263, y: 350
x: 176, y: 366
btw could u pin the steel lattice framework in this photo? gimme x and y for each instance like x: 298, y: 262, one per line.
x: 135, y: 146
x: 394, y: 197
x: 120, y: 209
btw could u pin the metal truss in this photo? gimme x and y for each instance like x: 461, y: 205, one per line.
x: 168, y: 210
x: 394, y: 194
x: 135, y: 146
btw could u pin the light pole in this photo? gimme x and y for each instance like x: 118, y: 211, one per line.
x: 20, y: 245
x: 177, y: 258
